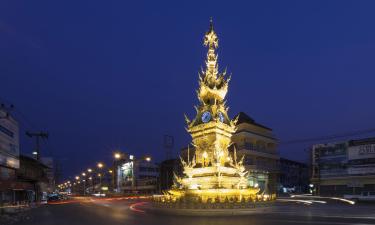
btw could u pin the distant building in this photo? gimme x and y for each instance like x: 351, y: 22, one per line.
x: 32, y: 179
x: 294, y: 177
x: 344, y: 167
x: 50, y: 172
x: 167, y: 170
x: 9, y: 157
x: 136, y: 175
x: 258, y: 145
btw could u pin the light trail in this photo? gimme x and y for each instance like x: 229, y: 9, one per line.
x: 295, y: 200
x: 332, y: 198
x: 134, y: 209
x: 344, y: 200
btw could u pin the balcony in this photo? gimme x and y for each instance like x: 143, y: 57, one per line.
x: 257, y: 148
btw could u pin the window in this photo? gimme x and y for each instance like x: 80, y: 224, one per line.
x: 248, y: 160
x: 6, y: 131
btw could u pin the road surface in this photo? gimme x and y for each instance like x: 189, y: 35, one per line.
x: 126, y: 212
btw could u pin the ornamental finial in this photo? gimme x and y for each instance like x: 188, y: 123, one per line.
x: 210, y: 38
x: 211, y: 24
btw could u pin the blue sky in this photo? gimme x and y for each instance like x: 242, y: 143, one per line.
x: 107, y: 75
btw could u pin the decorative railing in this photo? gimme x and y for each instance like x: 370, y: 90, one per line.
x: 251, y: 147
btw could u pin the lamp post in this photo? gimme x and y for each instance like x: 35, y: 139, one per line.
x: 77, y: 182
x: 89, y: 171
x: 84, y: 187
x: 84, y: 183
x: 117, y: 157
x: 100, y: 166
x: 100, y: 182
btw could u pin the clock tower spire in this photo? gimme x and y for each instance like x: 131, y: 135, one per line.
x: 212, y: 128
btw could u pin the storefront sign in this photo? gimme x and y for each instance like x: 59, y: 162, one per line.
x: 361, y: 170
x: 361, y: 152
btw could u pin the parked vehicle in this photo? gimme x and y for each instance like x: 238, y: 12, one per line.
x: 54, y: 197
x: 365, y: 196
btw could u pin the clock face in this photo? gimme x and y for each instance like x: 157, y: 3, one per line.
x: 206, y: 116
x: 221, y: 117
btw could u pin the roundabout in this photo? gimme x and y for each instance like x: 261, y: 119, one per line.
x: 207, y: 209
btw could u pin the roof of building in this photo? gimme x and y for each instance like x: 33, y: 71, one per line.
x: 364, y: 141
x: 289, y: 161
x: 24, y: 158
x: 244, y: 118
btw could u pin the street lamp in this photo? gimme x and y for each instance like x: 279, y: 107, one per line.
x: 100, y: 181
x: 89, y: 170
x: 77, y: 182
x: 100, y: 165
x: 116, y: 163
x: 148, y: 159
x: 84, y: 183
x: 117, y: 155
x: 84, y: 187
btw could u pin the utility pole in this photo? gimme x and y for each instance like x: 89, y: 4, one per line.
x: 38, y: 136
x: 168, y: 145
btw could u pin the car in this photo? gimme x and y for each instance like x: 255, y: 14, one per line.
x: 53, y: 198
x: 365, y: 196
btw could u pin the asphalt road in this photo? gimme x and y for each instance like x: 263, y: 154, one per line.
x: 114, y: 212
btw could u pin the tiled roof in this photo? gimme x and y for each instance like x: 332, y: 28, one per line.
x: 244, y: 118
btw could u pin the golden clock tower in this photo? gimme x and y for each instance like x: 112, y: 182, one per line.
x: 212, y: 174
x: 211, y: 129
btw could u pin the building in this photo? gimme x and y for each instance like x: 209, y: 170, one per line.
x: 9, y: 157
x: 50, y: 172
x: 136, y: 175
x: 294, y: 177
x: 344, y: 167
x: 32, y: 179
x: 258, y: 145
x: 168, y: 169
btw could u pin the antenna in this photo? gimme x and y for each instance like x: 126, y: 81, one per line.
x: 168, y: 145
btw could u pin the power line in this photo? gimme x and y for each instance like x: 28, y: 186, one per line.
x: 328, y: 137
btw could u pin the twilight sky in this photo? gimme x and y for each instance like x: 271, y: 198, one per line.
x: 107, y: 75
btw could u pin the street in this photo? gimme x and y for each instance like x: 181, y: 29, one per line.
x: 125, y: 211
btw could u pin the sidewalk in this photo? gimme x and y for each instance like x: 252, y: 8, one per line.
x: 11, y: 214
